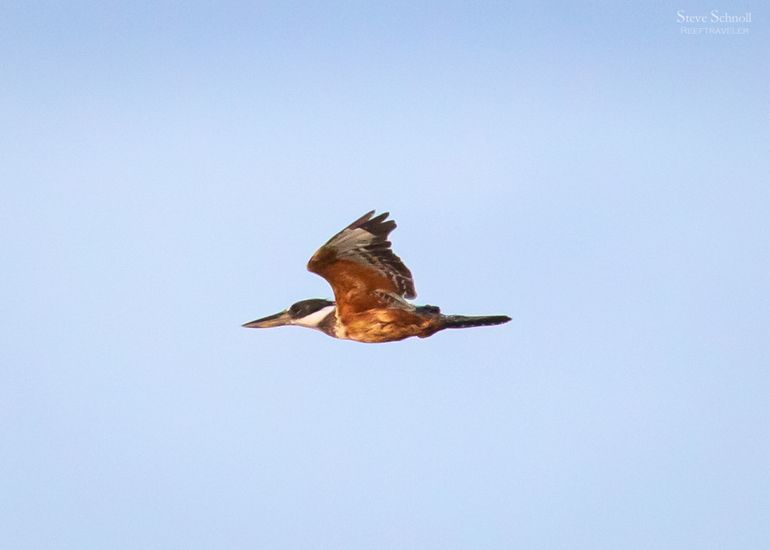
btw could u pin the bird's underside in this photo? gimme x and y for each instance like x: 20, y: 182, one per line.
x: 371, y: 286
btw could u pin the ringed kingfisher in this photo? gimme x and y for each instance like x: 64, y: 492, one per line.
x: 371, y: 287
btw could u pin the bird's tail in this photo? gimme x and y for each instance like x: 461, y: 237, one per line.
x: 463, y: 321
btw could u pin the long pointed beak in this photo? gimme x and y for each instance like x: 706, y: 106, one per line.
x: 277, y: 320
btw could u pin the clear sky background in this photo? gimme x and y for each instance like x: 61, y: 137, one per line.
x: 168, y: 169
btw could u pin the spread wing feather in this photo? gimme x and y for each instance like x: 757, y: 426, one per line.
x: 359, y: 260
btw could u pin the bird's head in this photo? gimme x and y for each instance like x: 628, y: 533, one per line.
x: 307, y: 313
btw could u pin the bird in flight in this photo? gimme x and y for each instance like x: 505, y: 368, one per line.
x: 371, y: 287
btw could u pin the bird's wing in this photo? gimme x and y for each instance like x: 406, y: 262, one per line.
x: 360, y: 266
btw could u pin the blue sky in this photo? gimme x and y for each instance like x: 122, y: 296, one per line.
x: 587, y: 169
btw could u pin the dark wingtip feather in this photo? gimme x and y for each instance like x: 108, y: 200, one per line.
x: 379, y: 225
x: 362, y: 220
